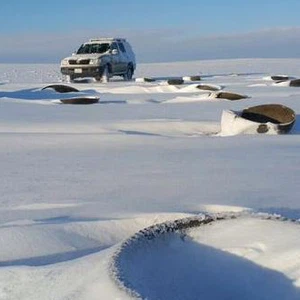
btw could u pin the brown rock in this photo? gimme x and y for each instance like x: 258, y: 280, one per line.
x: 230, y: 96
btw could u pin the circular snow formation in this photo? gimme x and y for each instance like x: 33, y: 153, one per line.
x: 241, y: 256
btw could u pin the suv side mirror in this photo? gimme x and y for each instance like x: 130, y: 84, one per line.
x: 114, y: 52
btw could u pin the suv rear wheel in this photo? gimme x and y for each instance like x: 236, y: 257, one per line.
x: 129, y: 73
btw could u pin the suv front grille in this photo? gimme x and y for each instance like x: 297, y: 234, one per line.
x: 79, y: 61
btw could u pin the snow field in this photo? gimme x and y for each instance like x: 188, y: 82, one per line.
x: 78, y: 180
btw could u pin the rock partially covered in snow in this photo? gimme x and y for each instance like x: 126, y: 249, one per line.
x: 61, y: 88
x: 230, y: 96
x: 268, y: 118
x: 295, y: 83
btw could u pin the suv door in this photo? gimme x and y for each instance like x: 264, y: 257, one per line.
x: 115, y: 59
x: 124, y: 58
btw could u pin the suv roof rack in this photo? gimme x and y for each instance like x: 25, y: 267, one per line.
x: 107, y: 39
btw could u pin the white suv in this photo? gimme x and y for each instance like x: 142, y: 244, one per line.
x: 100, y: 58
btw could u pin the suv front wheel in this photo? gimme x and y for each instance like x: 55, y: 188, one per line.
x: 105, y: 75
x: 67, y: 78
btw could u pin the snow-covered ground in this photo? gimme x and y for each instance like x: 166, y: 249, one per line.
x: 78, y: 180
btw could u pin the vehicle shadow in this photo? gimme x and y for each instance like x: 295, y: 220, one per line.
x: 175, y: 268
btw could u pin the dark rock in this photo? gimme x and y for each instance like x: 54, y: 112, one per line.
x: 295, y: 83
x: 195, y: 78
x: 148, y: 79
x: 60, y: 88
x: 207, y: 87
x: 80, y: 100
x: 279, y: 78
x: 175, y: 81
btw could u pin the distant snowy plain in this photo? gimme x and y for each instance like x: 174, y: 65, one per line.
x: 78, y: 180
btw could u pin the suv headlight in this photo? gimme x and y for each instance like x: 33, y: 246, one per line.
x: 94, y: 61
x: 64, y: 62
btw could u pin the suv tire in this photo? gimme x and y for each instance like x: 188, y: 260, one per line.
x: 67, y: 79
x: 105, y: 75
x: 129, y: 73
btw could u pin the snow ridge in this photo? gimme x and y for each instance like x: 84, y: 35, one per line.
x: 148, y: 234
x: 142, y: 237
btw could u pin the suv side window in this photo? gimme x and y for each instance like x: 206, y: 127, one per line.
x: 114, y: 46
x: 122, y: 48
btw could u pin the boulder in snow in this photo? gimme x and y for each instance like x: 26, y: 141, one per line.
x: 61, y: 88
x: 80, y: 100
x: 267, y: 118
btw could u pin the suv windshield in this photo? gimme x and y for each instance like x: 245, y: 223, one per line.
x: 93, y: 48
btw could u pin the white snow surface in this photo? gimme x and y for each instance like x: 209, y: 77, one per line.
x: 78, y: 180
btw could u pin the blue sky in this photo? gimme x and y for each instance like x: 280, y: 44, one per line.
x: 40, y: 31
